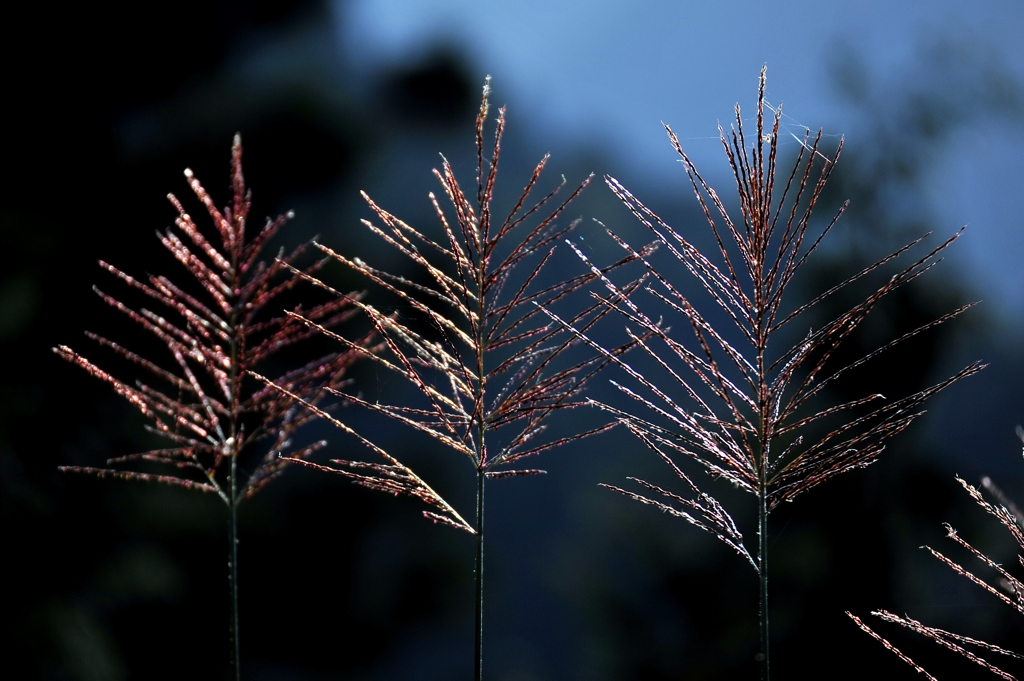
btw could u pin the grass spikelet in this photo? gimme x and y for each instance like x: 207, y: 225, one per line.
x: 744, y: 397
x: 227, y: 432
x: 489, y: 366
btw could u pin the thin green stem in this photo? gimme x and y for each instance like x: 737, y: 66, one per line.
x: 237, y: 338
x: 763, y: 446
x: 478, y: 659
x: 233, y: 573
x: 762, y: 561
x: 481, y: 455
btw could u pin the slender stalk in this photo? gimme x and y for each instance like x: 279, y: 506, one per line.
x: 763, y: 293
x: 478, y: 656
x: 237, y: 345
x: 233, y: 573
x: 762, y: 532
x: 481, y: 456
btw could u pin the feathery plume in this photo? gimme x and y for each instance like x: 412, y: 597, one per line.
x: 226, y: 432
x: 1007, y: 588
x: 493, y: 369
x: 737, y: 398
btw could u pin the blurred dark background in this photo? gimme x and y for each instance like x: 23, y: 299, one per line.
x: 110, y: 580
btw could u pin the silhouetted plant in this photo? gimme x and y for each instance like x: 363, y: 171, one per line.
x: 1010, y: 590
x: 211, y: 411
x: 496, y: 363
x: 744, y: 416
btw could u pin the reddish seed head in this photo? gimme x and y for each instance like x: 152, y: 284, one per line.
x: 199, y: 394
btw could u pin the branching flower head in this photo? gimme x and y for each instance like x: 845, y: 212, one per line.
x: 492, y: 362
x: 215, y: 329
x: 740, y: 400
x: 1006, y: 587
